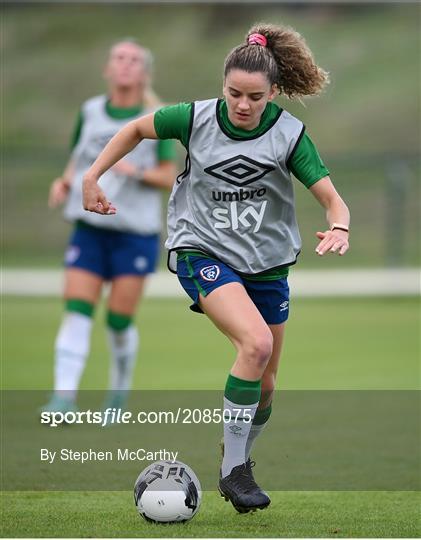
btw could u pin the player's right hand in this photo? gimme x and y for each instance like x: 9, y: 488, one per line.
x: 94, y: 199
x: 58, y: 192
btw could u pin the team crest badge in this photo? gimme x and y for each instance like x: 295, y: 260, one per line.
x: 210, y: 273
x: 72, y: 254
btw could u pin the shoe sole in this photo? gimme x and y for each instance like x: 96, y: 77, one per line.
x: 243, y: 509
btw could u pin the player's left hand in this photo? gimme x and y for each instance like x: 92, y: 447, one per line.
x: 335, y: 241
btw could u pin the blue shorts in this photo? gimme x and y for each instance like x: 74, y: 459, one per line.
x: 202, y: 275
x: 111, y: 253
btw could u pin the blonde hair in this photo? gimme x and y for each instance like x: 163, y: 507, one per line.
x: 286, y: 60
x: 150, y: 98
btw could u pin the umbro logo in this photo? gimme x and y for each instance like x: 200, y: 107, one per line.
x: 284, y: 305
x: 239, y: 170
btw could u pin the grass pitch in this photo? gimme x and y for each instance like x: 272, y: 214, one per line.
x: 292, y: 514
x: 340, y: 344
x: 330, y: 344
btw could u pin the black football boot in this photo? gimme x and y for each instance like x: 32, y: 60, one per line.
x: 241, y: 489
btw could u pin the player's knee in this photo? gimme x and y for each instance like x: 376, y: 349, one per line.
x: 258, y: 348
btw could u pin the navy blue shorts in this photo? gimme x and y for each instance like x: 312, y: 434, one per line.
x: 202, y: 275
x: 111, y: 253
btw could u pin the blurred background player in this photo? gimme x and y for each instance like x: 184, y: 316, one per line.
x: 121, y: 249
x: 232, y: 223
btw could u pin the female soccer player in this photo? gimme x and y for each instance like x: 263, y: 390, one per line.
x: 123, y: 249
x: 232, y: 220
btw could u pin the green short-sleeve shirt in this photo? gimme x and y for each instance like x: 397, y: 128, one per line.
x: 173, y: 122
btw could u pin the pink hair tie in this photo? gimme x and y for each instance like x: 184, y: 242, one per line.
x: 257, y: 39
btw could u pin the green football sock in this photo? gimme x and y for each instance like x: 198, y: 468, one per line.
x: 241, y: 399
x: 72, y: 347
x: 124, y: 342
x: 259, y: 423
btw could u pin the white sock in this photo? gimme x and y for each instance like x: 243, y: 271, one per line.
x: 71, y: 350
x: 236, y: 433
x: 255, y: 431
x: 124, y: 346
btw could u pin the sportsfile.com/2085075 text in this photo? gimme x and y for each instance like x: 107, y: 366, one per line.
x: 118, y: 416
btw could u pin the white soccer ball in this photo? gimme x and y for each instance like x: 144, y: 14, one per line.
x: 167, y: 492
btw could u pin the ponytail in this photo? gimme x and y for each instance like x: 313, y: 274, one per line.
x: 283, y: 56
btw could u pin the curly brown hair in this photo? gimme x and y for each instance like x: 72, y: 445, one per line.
x: 286, y: 60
